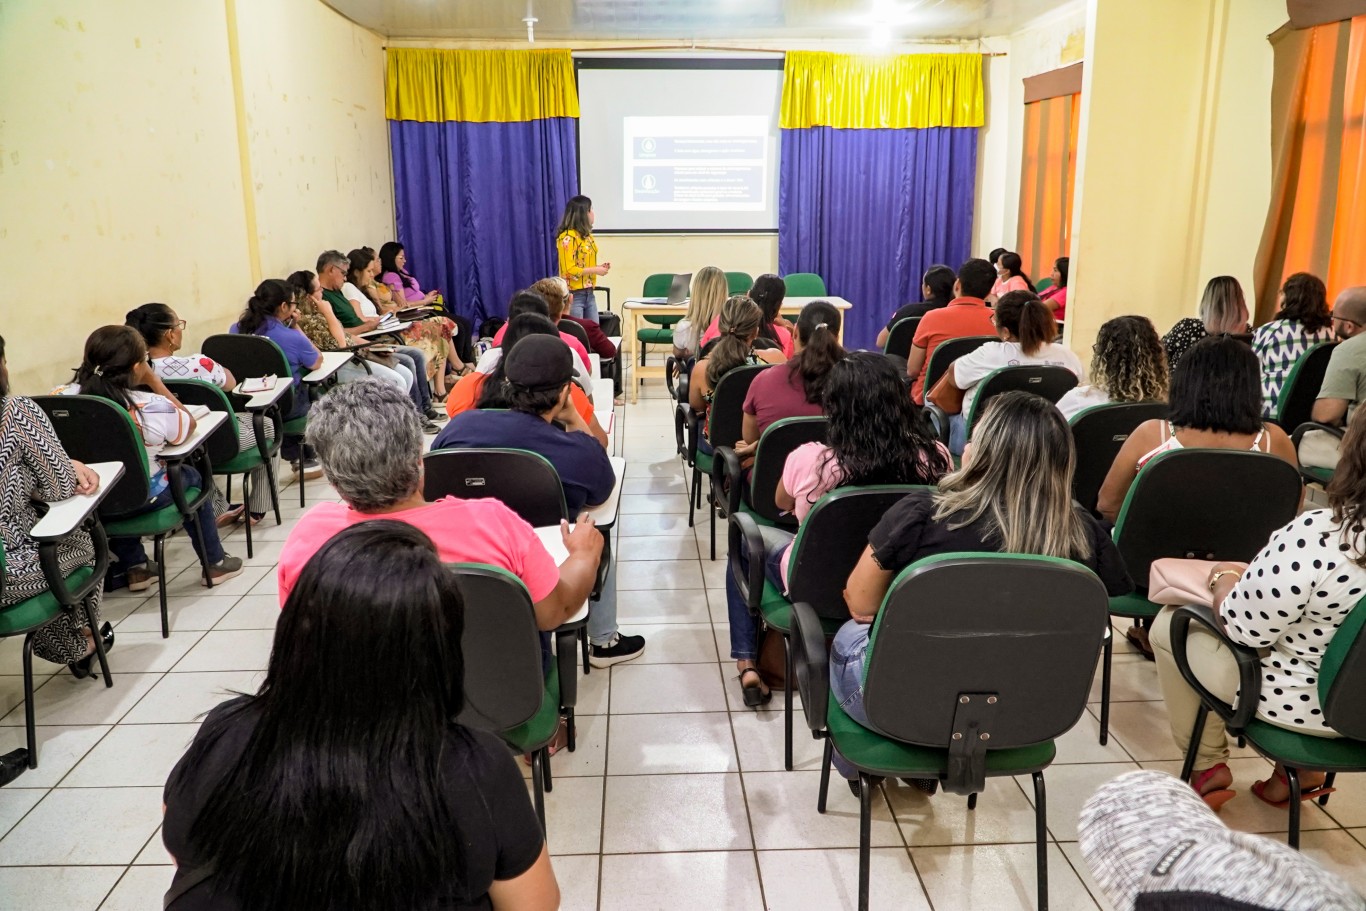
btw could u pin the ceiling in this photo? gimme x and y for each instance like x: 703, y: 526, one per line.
x: 562, y: 21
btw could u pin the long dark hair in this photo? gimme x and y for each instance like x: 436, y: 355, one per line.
x: 939, y: 279
x: 1217, y: 386
x: 576, y: 217
x: 1027, y: 318
x: 1012, y: 263
x: 768, y: 292
x: 876, y: 433
x: 301, y: 283
x: 1306, y: 302
x: 818, y: 327
x: 1063, y: 264
x: 739, y: 324
x: 269, y: 296
x: 495, y: 393
x: 111, y: 353
x: 338, y: 799
x: 388, y: 260
x: 360, y: 260
x: 151, y: 321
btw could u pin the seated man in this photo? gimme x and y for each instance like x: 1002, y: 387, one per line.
x: 370, y: 444
x: 1344, y: 385
x: 967, y: 314
x: 542, y: 419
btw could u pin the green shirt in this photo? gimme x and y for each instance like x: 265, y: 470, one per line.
x: 1346, y: 376
x: 342, y: 309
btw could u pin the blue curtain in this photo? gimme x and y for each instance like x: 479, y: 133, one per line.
x: 870, y: 210
x: 478, y: 204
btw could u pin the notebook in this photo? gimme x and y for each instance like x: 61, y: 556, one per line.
x: 257, y: 384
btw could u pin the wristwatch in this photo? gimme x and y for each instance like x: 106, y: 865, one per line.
x: 1214, y: 579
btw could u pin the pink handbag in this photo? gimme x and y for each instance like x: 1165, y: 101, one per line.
x: 1173, y: 580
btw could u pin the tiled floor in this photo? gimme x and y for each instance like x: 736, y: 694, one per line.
x: 675, y: 798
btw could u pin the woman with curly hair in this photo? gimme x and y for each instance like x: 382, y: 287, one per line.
x: 1303, y: 320
x: 1128, y: 364
x: 876, y: 436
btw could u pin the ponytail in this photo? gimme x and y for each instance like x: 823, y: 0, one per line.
x: 1024, y: 316
x: 270, y: 295
x: 739, y: 322
x: 111, y: 353
x: 818, y: 328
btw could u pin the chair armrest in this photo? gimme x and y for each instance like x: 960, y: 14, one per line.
x: 745, y: 539
x: 939, y: 421
x: 52, y: 572
x: 727, y: 475
x: 811, y: 664
x: 671, y: 375
x: 1304, y: 428
x: 681, y: 415
x: 567, y: 660
x: 65, y: 516
x: 1249, y: 667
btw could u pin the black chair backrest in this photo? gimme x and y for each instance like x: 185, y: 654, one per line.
x: 1023, y: 628
x: 831, y: 540
x: 776, y: 443
x: 900, y: 338
x: 504, y: 685
x: 1099, y: 434
x: 1301, y: 387
x: 94, y: 429
x: 223, y: 443
x: 524, y: 481
x: 1040, y: 379
x: 1205, y: 504
x: 949, y: 351
x: 249, y: 356
x: 569, y: 327
x: 726, y: 415
x: 1342, y: 677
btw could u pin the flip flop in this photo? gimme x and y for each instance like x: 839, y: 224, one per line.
x: 1259, y: 787
x: 754, y: 693
x: 1218, y: 797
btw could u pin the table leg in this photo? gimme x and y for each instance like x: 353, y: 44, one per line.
x: 634, y: 332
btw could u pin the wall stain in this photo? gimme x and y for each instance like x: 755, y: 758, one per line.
x: 61, y: 23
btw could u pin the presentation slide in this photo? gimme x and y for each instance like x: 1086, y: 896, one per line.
x: 671, y: 147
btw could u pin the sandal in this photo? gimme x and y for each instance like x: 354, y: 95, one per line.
x: 1259, y: 788
x: 754, y: 693
x: 559, y: 743
x: 231, y: 516
x: 1219, y: 796
x: 1138, y: 637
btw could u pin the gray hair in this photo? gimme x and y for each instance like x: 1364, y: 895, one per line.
x: 333, y: 258
x: 369, y: 440
x: 1222, y: 308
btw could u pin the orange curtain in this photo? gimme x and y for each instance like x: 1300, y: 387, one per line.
x: 1316, y: 221
x: 1047, y: 177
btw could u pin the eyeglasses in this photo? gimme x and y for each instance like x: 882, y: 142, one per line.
x: 1343, y: 319
x: 179, y: 324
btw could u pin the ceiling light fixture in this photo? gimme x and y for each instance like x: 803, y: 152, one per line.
x: 530, y: 20
x: 885, y: 17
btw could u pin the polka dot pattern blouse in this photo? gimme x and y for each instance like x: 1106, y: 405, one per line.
x: 1292, y: 598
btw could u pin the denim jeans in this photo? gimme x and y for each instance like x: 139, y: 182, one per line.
x: 584, y: 304
x: 421, y: 391
x: 744, y: 626
x: 130, y: 550
x: 602, y: 614
x: 958, y: 433
x: 848, y: 658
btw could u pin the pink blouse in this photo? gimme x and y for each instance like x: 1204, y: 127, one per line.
x: 408, y: 287
x: 1014, y: 283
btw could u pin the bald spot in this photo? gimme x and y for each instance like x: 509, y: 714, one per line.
x: 1351, y: 304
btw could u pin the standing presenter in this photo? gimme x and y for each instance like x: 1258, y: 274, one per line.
x: 579, y: 257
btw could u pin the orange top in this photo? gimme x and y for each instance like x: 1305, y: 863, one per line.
x: 964, y: 316
x: 465, y: 395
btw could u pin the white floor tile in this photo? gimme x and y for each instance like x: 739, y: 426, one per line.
x: 1072, y: 851
x: 577, y: 876
x: 652, y: 607
x: 57, y: 887
x: 654, y: 575
x: 997, y: 876
x: 229, y: 650
x: 824, y: 880
x: 677, y: 643
x: 15, y: 801
x: 132, y: 755
x: 759, y: 740
x: 154, y: 853
x: 52, y: 833
x: 64, y: 700
x: 59, y: 749
x: 252, y: 612
x: 666, y: 688
x: 662, y: 744
x: 706, y: 813
x: 192, y: 612
x: 633, y: 504
x: 650, y: 524
x: 1003, y: 815
x: 186, y: 697
x: 782, y: 807
x: 698, y: 881
x: 148, y: 653
x: 656, y: 547
x: 590, y: 750
x: 139, y: 889
x: 573, y: 815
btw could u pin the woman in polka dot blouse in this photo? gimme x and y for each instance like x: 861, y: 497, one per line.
x: 1290, y: 601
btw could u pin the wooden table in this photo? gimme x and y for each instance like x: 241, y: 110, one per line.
x: 636, y: 309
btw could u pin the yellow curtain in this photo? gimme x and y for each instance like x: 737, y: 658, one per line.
x: 479, y: 86
x: 1047, y: 178
x: 851, y: 92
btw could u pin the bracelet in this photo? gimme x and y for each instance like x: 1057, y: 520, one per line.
x: 1214, y: 579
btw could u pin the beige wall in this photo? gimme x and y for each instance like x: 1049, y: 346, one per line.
x: 121, y: 169
x: 1173, y: 179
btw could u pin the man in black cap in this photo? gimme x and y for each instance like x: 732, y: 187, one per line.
x: 541, y: 418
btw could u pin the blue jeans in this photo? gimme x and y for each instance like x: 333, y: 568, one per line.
x: 848, y: 658
x: 958, y: 433
x: 421, y: 391
x: 130, y: 550
x: 602, y: 614
x: 584, y: 304
x: 744, y: 626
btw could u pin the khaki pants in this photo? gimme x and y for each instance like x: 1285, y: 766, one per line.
x: 1214, y: 667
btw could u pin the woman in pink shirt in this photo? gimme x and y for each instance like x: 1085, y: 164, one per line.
x: 1056, y: 297
x: 768, y: 292
x: 876, y: 436
x: 1010, y: 276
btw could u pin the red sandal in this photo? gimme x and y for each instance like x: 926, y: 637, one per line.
x: 1259, y: 787
x: 1219, y: 796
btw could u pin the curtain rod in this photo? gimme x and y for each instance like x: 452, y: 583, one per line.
x: 675, y: 47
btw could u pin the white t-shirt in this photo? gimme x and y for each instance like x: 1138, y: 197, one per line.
x: 190, y: 367
x: 1078, y: 399
x: 685, y: 337
x: 970, y: 369
x: 490, y: 358
x: 364, y: 306
x: 161, y: 423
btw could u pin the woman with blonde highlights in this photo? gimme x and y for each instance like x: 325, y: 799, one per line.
x: 1128, y: 364
x: 709, y: 289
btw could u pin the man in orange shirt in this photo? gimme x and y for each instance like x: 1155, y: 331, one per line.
x: 967, y: 314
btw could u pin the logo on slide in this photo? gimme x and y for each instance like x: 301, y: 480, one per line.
x: 647, y: 145
x: 648, y: 182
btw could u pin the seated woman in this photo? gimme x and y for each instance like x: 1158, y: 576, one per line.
x: 936, y: 290
x: 1012, y: 495
x: 1010, y: 276
x: 1127, y: 365
x: 35, y: 468
x: 796, y: 388
x: 270, y: 312
x: 529, y: 300
x: 315, y: 319
x: 303, y: 796
x: 1055, y: 296
x: 876, y: 436
x: 1027, y: 330
x: 393, y: 263
x: 740, y: 318
x: 115, y: 367
x: 768, y: 292
x: 556, y: 292
x: 708, y: 293
x: 1223, y: 311
x: 164, y: 332
x: 1288, y: 602
x: 1304, y: 320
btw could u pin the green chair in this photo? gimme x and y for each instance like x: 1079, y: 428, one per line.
x: 1195, y: 503
x: 1342, y: 692
x: 901, y: 337
x: 225, y: 452
x: 827, y: 547
x: 1043, y: 380
x: 66, y: 593
x: 756, y: 496
x: 1043, y: 285
x: 804, y: 284
x: 506, y: 691
x: 661, y: 331
x: 1099, y: 433
x: 94, y: 429
x: 976, y: 664
x: 944, y: 354
x: 724, y: 420
x: 739, y: 283
x: 1316, y: 474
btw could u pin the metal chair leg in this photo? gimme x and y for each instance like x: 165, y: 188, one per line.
x: 695, y: 495
x: 711, y: 513
x: 570, y: 732
x: 1327, y: 783
x: 1197, y: 731
x: 538, y: 787
x: 30, y: 721
x: 1041, y: 838
x: 972, y: 801
x: 790, y: 681
x: 825, y: 774
x: 1293, y: 776
x: 583, y: 644
x: 89, y: 606
x: 865, y: 837
x: 1108, y: 652
x: 159, y: 551
x: 246, y: 508
x: 546, y: 776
